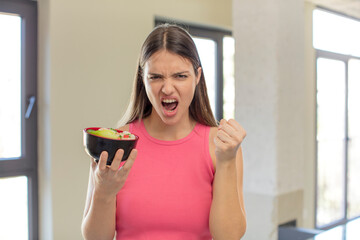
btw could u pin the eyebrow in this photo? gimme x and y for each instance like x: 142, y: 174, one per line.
x: 177, y: 73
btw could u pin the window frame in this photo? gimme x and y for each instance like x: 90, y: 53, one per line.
x: 27, y: 164
x: 345, y: 59
x: 216, y: 34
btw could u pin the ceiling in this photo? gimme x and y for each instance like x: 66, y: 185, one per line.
x: 347, y: 7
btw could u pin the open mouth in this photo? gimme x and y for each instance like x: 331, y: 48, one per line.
x: 169, y: 104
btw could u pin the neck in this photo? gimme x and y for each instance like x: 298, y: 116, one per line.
x: 158, y: 129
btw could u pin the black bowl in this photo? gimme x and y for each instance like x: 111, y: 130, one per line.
x: 94, y: 145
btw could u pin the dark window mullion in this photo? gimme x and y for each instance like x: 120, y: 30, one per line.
x: 219, y: 78
x: 30, y: 124
x: 29, y: 86
x: 33, y: 206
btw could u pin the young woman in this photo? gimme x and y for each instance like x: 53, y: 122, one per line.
x: 185, y: 179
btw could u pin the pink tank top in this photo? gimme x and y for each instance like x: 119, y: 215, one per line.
x: 168, y: 192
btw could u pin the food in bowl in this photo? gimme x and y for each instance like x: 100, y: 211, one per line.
x: 112, y: 133
x: 97, y: 140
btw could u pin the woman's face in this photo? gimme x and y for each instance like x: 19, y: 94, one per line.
x: 170, y: 83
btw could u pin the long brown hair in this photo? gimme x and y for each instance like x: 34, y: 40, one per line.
x: 176, y: 40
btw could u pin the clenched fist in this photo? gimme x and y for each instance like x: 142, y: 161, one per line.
x: 229, y: 136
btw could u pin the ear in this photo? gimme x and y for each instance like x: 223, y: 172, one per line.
x: 198, y: 76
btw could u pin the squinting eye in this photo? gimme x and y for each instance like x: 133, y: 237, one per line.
x: 181, y: 76
x: 154, y: 77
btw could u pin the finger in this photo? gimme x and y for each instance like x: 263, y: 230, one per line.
x: 223, y: 136
x: 234, y: 124
x: 234, y: 129
x: 238, y: 128
x: 102, y: 160
x: 222, y: 122
x: 219, y: 143
x: 93, y: 163
x: 227, y: 128
x: 130, y: 161
x: 117, y: 160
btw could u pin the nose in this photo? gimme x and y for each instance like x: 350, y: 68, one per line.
x: 168, y: 87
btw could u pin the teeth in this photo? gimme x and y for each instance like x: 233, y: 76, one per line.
x: 169, y: 100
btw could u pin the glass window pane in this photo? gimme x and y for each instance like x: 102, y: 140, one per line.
x: 207, y: 52
x: 10, y: 86
x: 229, y: 79
x: 335, y: 33
x: 330, y: 99
x: 331, y: 191
x: 354, y: 136
x: 352, y: 229
x: 331, y: 140
x: 332, y: 234
x: 14, y: 208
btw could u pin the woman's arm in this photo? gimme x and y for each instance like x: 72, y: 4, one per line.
x: 104, y: 183
x: 99, y: 214
x: 227, y: 214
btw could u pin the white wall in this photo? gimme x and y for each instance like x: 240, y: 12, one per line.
x: 87, y: 57
x: 271, y: 104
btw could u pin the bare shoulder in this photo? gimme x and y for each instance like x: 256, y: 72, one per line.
x: 212, y: 135
x: 124, y: 128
